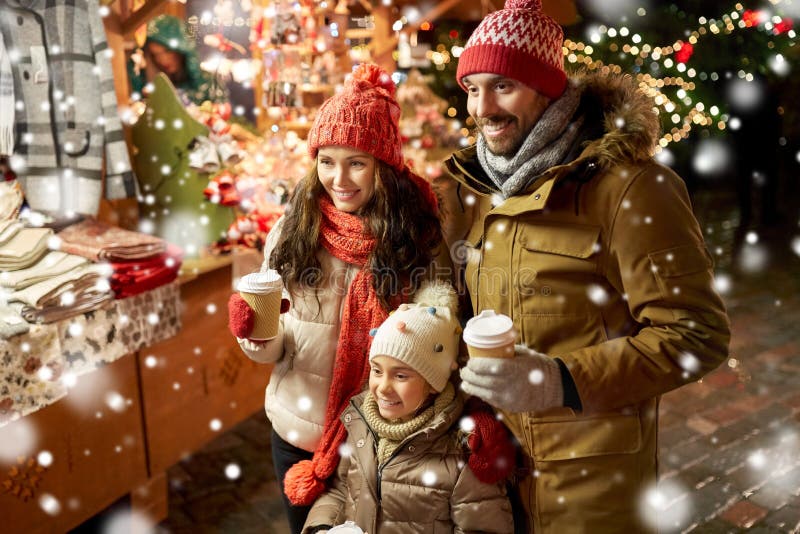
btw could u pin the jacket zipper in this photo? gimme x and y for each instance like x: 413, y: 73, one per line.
x: 379, y: 476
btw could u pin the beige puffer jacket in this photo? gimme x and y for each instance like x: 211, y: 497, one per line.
x: 424, y: 487
x: 305, y: 348
x: 304, y: 351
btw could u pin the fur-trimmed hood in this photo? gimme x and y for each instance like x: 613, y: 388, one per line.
x: 630, y: 123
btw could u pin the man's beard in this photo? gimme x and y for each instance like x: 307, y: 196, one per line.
x: 507, y: 143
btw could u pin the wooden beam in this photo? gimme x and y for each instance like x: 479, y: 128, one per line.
x: 150, y: 9
x: 440, y: 9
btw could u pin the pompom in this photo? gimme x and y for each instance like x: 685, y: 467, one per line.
x: 374, y: 75
x: 241, y: 316
x: 437, y: 293
x: 536, y: 5
x: 492, y: 453
x: 301, y: 485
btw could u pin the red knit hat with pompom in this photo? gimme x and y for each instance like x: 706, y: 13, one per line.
x: 519, y: 42
x: 364, y: 116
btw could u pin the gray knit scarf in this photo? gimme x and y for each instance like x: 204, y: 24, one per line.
x: 391, y: 433
x: 550, y: 140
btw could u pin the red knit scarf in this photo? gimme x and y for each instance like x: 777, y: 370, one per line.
x: 343, y: 235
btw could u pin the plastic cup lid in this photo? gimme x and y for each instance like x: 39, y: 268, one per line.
x: 489, y: 330
x: 260, y: 282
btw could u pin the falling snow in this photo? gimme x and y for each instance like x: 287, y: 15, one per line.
x: 233, y: 471
x: 49, y: 504
x: 597, y: 294
x: 429, y: 478
x: 665, y: 506
x: 536, y: 377
x: 128, y: 521
x: 466, y: 424
x: 304, y: 404
x: 712, y: 157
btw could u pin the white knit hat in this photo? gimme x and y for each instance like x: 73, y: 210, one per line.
x: 423, y: 334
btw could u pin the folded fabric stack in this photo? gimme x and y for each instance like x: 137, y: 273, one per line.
x: 131, y: 278
x: 21, y: 247
x: 77, y: 291
x: 98, y: 241
x: 42, y: 286
x: 52, y: 264
x: 139, y: 262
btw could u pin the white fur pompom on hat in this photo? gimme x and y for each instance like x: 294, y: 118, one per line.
x: 437, y: 293
x: 423, y: 334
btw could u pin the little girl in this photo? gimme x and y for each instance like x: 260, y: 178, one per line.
x: 359, y: 234
x: 404, y: 466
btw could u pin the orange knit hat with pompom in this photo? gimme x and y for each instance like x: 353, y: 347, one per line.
x: 364, y: 116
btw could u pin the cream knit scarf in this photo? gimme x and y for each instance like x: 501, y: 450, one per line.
x: 6, y: 102
x: 391, y: 434
x: 548, y: 143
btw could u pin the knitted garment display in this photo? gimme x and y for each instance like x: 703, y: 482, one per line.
x: 364, y: 116
x: 344, y: 236
x: 390, y: 433
x: 519, y: 42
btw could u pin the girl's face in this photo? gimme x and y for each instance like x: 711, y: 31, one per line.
x: 399, y: 390
x: 348, y: 176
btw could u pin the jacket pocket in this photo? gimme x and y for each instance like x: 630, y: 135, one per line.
x: 576, y: 241
x: 571, y: 438
x: 680, y: 269
x: 554, y: 266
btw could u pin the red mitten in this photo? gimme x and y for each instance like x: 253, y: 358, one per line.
x: 241, y: 316
x: 491, y: 450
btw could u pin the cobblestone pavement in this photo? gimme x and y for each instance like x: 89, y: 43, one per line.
x: 729, y: 444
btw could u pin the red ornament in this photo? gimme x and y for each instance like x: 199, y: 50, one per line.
x: 753, y: 18
x: 683, y: 54
x: 783, y: 26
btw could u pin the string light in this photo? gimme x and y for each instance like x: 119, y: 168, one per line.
x: 675, y: 56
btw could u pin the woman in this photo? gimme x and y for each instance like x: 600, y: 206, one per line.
x: 360, y: 233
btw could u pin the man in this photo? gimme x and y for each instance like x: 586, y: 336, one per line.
x: 561, y: 220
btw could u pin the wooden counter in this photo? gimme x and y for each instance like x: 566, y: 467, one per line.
x: 177, y: 395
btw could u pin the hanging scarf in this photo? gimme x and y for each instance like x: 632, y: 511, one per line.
x: 391, y: 434
x: 344, y: 236
x: 550, y: 140
x: 6, y: 102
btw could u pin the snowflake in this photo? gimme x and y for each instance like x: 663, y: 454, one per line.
x: 536, y: 377
x: 429, y: 478
x: 233, y: 471
x: 304, y: 403
x: 466, y: 424
x: 49, y: 504
x: 115, y: 401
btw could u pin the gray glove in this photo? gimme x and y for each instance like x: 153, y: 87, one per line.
x: 528, y: 382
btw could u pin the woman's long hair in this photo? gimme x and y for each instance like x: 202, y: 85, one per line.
x: 406, y: 229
